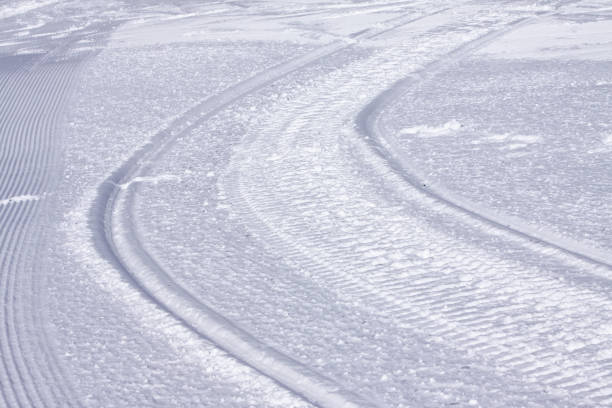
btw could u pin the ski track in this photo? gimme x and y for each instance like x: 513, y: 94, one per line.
x: 158, y: 284
x: 372, y: 244
x: 31, y: 102
x: 385, y: 144
x: 536, y: 326
x: 546, y: 325
x: 122, y: 244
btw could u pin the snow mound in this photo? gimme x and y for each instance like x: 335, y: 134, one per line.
x: 432, y: 131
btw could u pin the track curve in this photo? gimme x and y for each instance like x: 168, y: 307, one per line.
x: 158, y: 284
x: 386, y: 146
x: 121, y: 244
x: 333, y: 202
x: 369, y: 249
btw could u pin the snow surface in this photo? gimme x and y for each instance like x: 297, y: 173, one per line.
x: 15, y: 8
x: 305, y: 203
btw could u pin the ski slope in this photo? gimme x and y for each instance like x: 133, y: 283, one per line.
x: 306, y: 203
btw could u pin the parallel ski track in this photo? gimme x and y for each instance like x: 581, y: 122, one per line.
x: 418, y: 290
x: 123, y: 247
x: 31, y: 103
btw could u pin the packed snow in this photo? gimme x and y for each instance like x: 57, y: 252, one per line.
x: 330, y: 203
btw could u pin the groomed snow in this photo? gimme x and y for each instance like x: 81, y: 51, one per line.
x: 328, y: 203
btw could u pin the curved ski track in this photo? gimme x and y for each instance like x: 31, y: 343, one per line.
x: 544, y: 327
x: 31, y: 102
x: 122, y: 245
x: 128, y: 253
x: 385, y: 145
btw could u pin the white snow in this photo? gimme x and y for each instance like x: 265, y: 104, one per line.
x: 555, y: 38
x: 15, y: 8
x: 151, y: 179
x: 302, y: 203
x: 19, y: 199
x: 432, y: 131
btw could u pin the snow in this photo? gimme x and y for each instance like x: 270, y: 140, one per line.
x: 432, y: 131
x: 19, y: 199
x: 305, y: 203
x: 15, y: 8
x: 198, y: 28
x: 556, y: 38
x: 154, y: 180
x: 549, y: 139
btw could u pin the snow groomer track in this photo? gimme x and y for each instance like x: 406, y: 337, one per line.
x: 150, y: 276
x: 32, y: 98
x: 373, y: 243
x: 462, y: 311
x: 244, y: 226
